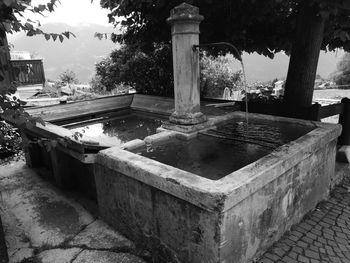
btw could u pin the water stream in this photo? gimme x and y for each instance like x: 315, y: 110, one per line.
x: 246, y: 93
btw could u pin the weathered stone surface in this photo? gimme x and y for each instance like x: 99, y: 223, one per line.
x: 315, y: 238
x: 343, y: 154
x: 21, y: 254
x: 228, y: 220
x: 45, y: 215
x: 106, y: 257
x: 99, y: 235
x: 59, y: 255
x: 184, y: 22
x: 42, y: 225
x: 15, y: 237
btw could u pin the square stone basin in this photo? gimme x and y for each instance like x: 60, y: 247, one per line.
x: 217, y: 214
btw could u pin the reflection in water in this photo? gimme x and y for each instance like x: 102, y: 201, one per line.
x: 216, y: 153
x: 121, y: 130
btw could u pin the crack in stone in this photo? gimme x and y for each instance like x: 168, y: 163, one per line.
x: 65, y: 245
x: 75, y: 257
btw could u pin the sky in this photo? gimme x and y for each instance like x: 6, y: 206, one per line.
x: 74, y: 12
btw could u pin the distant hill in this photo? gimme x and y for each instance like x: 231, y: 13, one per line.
x: 260, y: 68
x: 78, y: 54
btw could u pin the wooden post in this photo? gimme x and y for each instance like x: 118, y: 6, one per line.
x: 344, y: 120
x: 42, y: 72
x: 315, y: 111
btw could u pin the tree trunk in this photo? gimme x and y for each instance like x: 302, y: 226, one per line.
x: 3, y: 249
x: 304, y: 57
x: 5, y: 66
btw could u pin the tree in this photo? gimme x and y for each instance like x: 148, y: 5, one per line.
x: 218, y: 73
x: 152, y: 73
x: 148, y: 73
x: 68, y: 77
x: 12, y: 20
x: 342, y: 75
x: 261, y: 26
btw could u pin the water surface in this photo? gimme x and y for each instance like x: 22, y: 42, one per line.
x: 120, y: 130
x: 218, y: 152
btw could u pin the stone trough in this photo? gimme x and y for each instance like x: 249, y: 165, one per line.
x: 180, y: 215
x: 187, y: 213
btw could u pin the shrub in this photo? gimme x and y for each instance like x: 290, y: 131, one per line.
x: 342, y: 74
x: 96, y: 84
x: 147, y: 73
x: 51, y: 91
x: 10, y: 140
x: 152, y: 73
x: 218, y: 73
x: 68, y: 77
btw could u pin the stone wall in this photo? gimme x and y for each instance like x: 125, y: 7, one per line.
x: 254, y: 224
x: 172, y: 229
x: 238, y: 224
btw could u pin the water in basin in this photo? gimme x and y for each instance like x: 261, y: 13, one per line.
x: 218, y: 152
x: 119, y: 130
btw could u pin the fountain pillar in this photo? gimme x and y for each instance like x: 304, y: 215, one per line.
x: 184, y: 20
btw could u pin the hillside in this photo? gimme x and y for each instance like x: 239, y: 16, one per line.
x: 78, y: 54
x: 260, y: 68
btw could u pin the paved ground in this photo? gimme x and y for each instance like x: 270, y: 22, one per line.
x: 42, y: 224
x: 322, y: 236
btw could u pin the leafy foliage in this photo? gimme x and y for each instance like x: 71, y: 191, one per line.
x: 218, y: 73
x: 68, y: 77
x: 10, y: 140
x: 261, y: 26
x: 11, y: 12
x: 153, y: 73
x: 148, y: 73
x: 12, y: 19
x: 342, y: 75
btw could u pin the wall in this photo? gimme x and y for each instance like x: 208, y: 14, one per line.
x: 254, y: 224
x: 173, y: 229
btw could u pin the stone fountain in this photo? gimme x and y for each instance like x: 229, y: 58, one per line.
x: 182, y: 216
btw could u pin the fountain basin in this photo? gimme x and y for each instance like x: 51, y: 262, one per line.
x: 58, y: 152
x: 64, y: 149
x: 182, y: 216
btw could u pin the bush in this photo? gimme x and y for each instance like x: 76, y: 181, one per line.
x: 10, y: 140
x: 342, y: 75
x: 96, y: 84
x: 48, y: 90
x: 147, y: 73
x: 218, y: 73
x: 68, y: 77
x: 152, y: 73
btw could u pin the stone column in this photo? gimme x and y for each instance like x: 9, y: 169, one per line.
x: 184, y: 20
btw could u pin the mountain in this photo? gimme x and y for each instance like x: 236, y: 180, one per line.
x: 78, y: 54
x: 81, y: 53
x: 260, y: 68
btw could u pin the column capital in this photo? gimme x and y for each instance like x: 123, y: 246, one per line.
x: 185, y: 13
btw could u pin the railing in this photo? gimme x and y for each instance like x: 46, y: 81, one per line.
x: 28, y: 72
x: 315, y: 112
x: 343, y: 109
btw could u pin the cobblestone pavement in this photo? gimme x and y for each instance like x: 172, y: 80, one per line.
x: 322, y: 236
